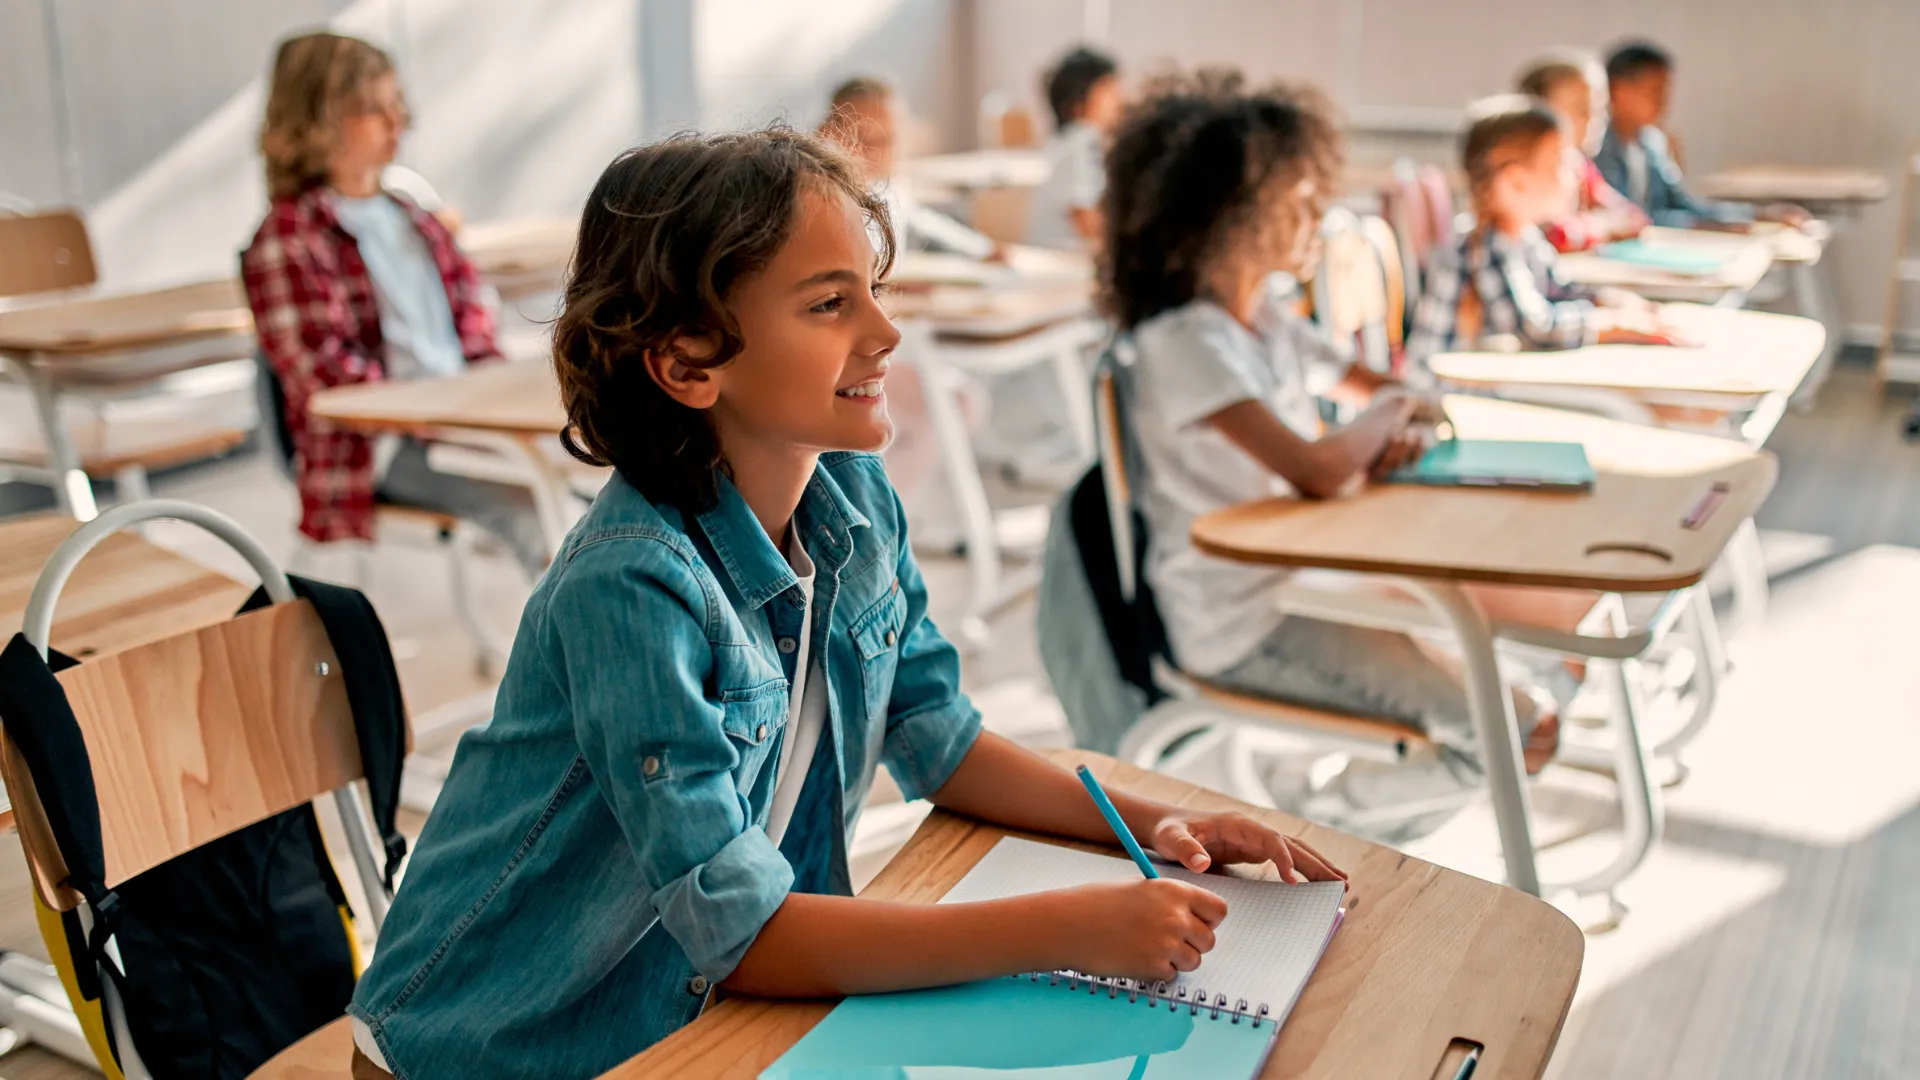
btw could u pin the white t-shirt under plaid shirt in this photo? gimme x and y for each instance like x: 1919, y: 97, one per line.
x: 1520, y: 296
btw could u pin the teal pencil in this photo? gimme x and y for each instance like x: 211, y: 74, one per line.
x: 1113, y: 821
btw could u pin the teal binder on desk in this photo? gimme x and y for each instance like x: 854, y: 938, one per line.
x: 1218, y: 1021
x: 1027, y: 1026
x: 1674, y: 260
x: 1545, y: 466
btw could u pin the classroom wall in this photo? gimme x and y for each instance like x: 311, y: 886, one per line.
x: 1760, y: 80
x: 517, y: 106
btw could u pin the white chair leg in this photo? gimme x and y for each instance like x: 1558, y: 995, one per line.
x: 1642, y: 811
x: 942, y: 389
x: 1750, y: 584
x: 486, y: 648
x: 130, y: 485
x: 1147, y: 741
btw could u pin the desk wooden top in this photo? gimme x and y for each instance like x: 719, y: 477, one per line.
x: 1748, y: 258
x: 87, y: 322
x: 1007, y: 167
x: 126, y: 592
x: 522, y: 257
x: 963, y: 312
x: 1663, y: 505
x: 1815, y: 184
x: 1742, y: 354
x: 1425, y: 955
x: 516, y: 399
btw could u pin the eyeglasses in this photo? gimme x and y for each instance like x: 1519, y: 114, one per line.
x: 395, y: 110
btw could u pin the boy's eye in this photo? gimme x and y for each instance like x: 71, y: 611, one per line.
x: 829, y: 305
x: 881, y: 288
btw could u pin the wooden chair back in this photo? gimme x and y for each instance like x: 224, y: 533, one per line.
x: 1016, y: 127
x: 194, y: 736
x: 1386, y: 248
x: 44, y: 252
x: 1000, y: 213
x: 1350, y: 292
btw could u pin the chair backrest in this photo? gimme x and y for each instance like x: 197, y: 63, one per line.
x: 270, y: 395
x: 44, y: 252
x: 1110, y: 435
x: 1001, y: 213
x: 1387, y: 248
x: 1350, y: 291
x: 1438, y: 191
x: 194, y: 736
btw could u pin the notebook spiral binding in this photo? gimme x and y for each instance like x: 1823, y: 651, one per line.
x: 1175, y: 997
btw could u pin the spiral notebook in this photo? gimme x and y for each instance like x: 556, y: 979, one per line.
x: 1219, y: 1020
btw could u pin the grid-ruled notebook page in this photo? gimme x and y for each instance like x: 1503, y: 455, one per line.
x: 1263, y: 951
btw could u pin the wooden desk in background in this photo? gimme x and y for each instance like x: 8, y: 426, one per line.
x: 1809, y: 185
x: 1426, y: 955
x: 521, y: 258
x: 1744, y: 360
x: 512, y: 410
x: 1663, y: 506
x: 126, y: 592
x: 95, y: 338
x: 1747, y: 260
x: 975, y: 169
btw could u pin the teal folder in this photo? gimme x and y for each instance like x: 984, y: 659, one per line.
x: 1026, y: 1026
x: 1674, y: 260
x: 1550, y: 466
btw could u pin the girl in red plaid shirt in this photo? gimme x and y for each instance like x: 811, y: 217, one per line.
x: 352, y: 283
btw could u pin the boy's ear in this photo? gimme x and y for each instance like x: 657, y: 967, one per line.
x: 674, y: 369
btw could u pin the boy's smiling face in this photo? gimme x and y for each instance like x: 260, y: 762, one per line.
x: 816, y: 342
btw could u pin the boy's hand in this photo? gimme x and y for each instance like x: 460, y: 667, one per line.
x: 1145, y: 929
x: 1785, y: 213
x: 1200, y: 841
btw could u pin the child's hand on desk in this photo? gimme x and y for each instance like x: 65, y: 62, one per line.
x: 1785, y: 213
x: 1146, y: 929
x: 1202, y: 841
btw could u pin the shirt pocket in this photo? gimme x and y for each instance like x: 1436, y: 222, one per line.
x: 876, y: 638
x: 753, y: 720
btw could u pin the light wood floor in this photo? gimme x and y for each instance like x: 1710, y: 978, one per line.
x: 1774, y: 934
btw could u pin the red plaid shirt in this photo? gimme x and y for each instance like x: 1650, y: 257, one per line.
x: 318, y: 321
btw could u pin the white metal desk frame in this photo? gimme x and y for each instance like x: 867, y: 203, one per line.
x: 943, y: 362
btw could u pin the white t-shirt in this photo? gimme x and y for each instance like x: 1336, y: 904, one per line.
x: 806, y: 708
x: 416, y: 319
x: 1076, y: 178
x: 1189, y: 364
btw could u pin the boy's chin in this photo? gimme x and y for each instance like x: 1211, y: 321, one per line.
x: 871, y: 438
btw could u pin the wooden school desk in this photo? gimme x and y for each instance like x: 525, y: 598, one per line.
x: 90, y: 337
x: 1663, y: 506
x: 1811, y: 186
x: 1747, y: 261
x: 1426, y: 955
x: 521, y: 258
x: 510, y: 409
x: 1744, y: 361
x: 126, y: 592
x: 975, y: 169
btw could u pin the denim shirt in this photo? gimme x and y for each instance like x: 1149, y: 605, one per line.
x: 1666, y: 197
x: 598, y: 858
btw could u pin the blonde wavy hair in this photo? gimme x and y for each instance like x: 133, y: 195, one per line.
x: 318, y: 79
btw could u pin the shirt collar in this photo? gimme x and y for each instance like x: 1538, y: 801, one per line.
x: 759, y: 570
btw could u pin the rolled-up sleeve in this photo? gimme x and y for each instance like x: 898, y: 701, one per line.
x: 931, y: 725
x: 636, y: 664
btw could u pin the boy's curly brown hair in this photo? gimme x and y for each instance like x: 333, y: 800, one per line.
x: 668, y: 233
x: 1198, y: 160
